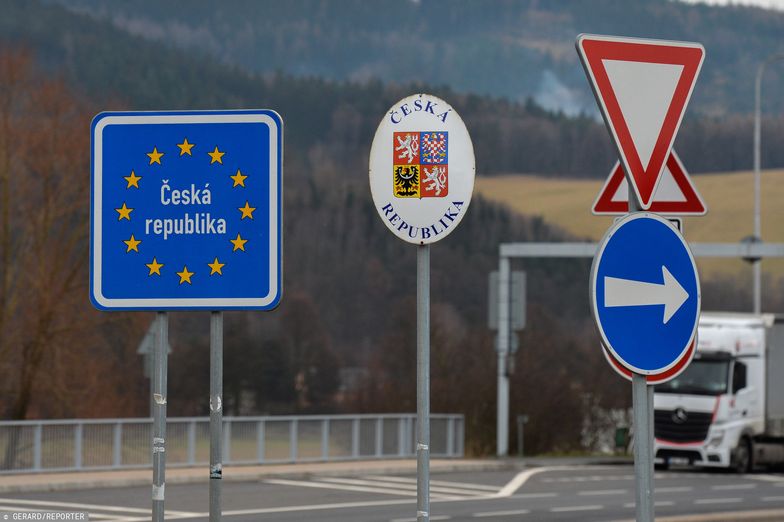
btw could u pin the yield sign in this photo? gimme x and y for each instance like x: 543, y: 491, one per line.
x: 675, y: 195
x: 642, y: 87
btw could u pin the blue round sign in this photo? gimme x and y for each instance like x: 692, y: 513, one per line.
x: 645, y: 293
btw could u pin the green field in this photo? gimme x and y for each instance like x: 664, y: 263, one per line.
x: 567, y: 203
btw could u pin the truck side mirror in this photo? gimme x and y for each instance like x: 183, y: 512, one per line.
x: 738, y: 377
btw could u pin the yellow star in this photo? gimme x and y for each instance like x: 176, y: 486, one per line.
x: 239, y: 179
x: 185, y: 276
x: 155, y: 267
x: 239, y: 243
x: 133, y: 244
x: 216, y: 267
x: 155, y: 156
x: 185, y: 147
x: 133, y: 180
x: 216, y: 155
x: 125, y: 212
x: 247, y: 211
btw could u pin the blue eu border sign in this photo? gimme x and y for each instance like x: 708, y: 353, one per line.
x: 186, y: 210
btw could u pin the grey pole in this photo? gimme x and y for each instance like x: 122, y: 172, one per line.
x: 152, y: 388
x: 216, y: 414
x: 159, y: 418
x: 642, y: 404
x: 643, y: 458
x: 502, y: 415
x: 757, y: 267
x: 423, y: 383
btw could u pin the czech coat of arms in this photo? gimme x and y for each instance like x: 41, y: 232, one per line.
x: 420, y: 165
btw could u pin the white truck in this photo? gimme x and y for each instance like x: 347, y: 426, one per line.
x: 727, y: 408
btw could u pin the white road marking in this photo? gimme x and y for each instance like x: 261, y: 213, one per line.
x: 72, y: 505
x: 406, y: 480
x: 535, y: 495
x: 508, y: 491
x: 405, y: 486
x: 521, y: 478
x: 683, y: 475
x: 87, y: 507
x: 658, y: 503
x: 727, y: 487
x: 575, y: 508
x: 659, y: 476
x: 436, y: 517
x: 590, y: 478
x: 767, y: 478
x: 717, y: 500
x: 359, y: 504
x: 510, y: 513
x: 313, y: 507
x: 118, y: 513
x: 27, y: 509
x: 291, y: 509
x: 322, y: 485
x: 168, y: 516
x: 517, y: 482
x: 602, y: 492
x: 674, y: 489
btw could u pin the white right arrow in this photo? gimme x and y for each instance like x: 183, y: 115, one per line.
x: 628, y: 292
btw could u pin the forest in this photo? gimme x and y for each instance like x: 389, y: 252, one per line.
x: 515, y: 49
x: 343, y: 338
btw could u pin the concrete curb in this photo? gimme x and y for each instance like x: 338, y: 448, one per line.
x: 42, y: 482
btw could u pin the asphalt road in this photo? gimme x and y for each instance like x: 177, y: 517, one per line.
x: 582, y: 493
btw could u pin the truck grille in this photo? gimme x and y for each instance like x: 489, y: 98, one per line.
x: 693, y: 429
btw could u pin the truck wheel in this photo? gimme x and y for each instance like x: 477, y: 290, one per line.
x: 741, y: 457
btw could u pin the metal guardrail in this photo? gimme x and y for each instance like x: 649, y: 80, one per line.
x: 106, y: 444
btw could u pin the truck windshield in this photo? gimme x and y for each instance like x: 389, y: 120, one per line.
x: 702, y: 377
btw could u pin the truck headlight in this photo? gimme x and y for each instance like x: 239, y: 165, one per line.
x: 716, y: 438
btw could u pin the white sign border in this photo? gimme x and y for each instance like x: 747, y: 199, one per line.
x: 603, y: 107
x: 443, y: 106
x: 595, y: 309
x: 101, y: 121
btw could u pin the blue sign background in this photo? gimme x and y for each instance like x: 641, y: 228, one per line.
x: 636, y: 248
x: 121, y: 276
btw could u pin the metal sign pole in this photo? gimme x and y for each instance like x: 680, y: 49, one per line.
x: 502, y: 416
x: 423, y: 383
x: 425, y: 140
x: 159, y: 418
x: 642, y: 404
x: 216, y: 414
x: 643, y: 461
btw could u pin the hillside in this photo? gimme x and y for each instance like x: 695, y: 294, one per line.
x: 730, y: 200
x: 510, y: 48
x: 115, y: 68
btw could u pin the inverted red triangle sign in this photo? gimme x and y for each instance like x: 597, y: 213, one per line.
x: 642, y: 88
x: 675, y: 195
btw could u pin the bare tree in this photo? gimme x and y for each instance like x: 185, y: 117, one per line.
x: 55, y: 350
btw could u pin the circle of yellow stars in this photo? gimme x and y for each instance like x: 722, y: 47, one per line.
x: 132, y: 180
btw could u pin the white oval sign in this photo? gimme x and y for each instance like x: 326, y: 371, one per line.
x: 422, y: 169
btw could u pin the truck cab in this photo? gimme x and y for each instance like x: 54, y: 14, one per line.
x: 714, y: 414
